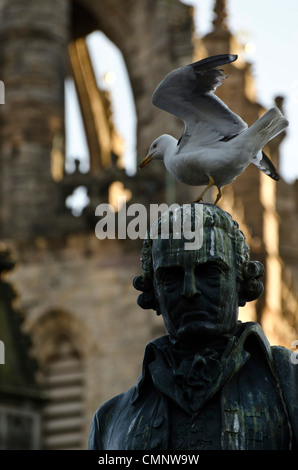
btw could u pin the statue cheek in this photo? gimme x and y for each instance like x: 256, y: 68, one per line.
x: 162, y: 298
x: 228, y: 297
x: 167, y: 294
x: 165, y: 310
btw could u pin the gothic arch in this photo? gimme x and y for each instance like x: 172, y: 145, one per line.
x: 88, y: 16
x: 154, y: 37
x: 56, y: 324
x: 61, y: 345
x: 144, y: 31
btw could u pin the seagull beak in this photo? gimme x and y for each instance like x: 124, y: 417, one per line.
x: 146, y: 160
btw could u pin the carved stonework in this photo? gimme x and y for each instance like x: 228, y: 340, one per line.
x: 20, y: 397
x: 220, y: 20
x: 20, y: 429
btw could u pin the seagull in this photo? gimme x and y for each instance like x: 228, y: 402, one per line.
x: 216, y: 145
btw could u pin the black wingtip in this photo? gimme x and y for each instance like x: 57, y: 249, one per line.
x: 270, y: 168
x: 214, y: 61
x: 233, y: 57
x: 275, y: 176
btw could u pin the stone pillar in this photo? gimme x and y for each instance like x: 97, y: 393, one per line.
x: 34, y: 38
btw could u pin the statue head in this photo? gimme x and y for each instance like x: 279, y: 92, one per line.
x: 197, y: 288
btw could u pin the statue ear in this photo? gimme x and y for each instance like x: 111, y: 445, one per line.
x: 242, y: 300
x: 250, y: 287
x: 253, y: 270
x: 138, y: 283
x: 147, y: 299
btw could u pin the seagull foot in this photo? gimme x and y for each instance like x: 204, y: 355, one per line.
x: 210, y: 184
x: 219, y: 195
x: 199, y: 199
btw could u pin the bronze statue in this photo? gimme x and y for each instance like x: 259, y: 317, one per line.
x: 212, y: 382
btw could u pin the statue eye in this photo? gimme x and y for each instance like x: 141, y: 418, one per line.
x: 213, y: 270
x: 209, y: 270
x: 171, y: 274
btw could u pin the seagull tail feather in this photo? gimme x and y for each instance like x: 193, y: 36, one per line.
x: 267, y: 127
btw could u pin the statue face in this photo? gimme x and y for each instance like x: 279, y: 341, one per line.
x: 197, y: 296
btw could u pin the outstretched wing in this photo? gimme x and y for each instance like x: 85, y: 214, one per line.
x: 188, y: 93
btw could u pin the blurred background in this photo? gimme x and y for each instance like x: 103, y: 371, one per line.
x: 79, y: 76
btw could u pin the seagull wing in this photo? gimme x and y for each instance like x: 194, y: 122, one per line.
x: 188, y: 93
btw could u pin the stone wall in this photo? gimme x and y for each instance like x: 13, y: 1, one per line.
x: 33, y: 65
x: 83, y: 289
x: 70, y: 284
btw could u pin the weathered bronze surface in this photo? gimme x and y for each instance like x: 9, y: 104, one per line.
x: 212, y: 382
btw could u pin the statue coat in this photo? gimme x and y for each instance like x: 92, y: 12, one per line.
x: 250, y: 402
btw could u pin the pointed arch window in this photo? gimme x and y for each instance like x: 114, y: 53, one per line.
x: 100, y: 114
x: 63, y: 384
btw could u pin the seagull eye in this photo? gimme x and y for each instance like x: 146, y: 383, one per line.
x: 154, y: 146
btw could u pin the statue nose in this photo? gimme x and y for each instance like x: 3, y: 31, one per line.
x: 190, y: 288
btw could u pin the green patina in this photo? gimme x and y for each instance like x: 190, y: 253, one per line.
x: 222, y: 242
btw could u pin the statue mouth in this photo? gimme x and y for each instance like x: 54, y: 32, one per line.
x: 198, y: 315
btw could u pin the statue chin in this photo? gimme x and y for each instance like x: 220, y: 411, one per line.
x: 193, y: 333
x: 199, y: 331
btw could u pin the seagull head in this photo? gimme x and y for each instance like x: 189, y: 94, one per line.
x: 158, y: 149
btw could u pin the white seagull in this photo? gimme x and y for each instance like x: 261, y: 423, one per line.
x: 217, y: 145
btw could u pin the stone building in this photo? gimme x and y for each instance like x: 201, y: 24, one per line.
x: 266, y: 211
x: 75, y: 291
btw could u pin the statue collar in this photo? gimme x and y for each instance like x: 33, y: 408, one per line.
x: 192, y: 382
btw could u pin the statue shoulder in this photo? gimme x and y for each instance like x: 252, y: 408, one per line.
x: 105, y: 416
x: 286, y: 367
x: 285, y: 359
x: 281, y: 350
x: 286, y: 362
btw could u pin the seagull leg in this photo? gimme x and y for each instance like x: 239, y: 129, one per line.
x: 210, y: 184
x: 219, y: 194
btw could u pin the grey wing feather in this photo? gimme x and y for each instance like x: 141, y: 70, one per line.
x: 187, y: 93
